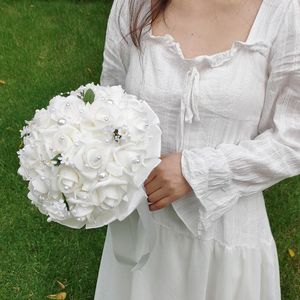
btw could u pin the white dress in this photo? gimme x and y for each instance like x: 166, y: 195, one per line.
x: 235, y: 116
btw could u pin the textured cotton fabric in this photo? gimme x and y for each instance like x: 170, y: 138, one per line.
x: 235, y: 116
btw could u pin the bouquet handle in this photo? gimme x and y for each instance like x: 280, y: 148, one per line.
x: 134, y: 238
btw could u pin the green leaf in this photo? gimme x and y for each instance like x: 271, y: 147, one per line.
x: 57, y: 159
x: 89, y: 96
x: 65, y: 200
x: 21, y: 144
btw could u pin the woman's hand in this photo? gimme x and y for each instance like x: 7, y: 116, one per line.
x: 166, y: 183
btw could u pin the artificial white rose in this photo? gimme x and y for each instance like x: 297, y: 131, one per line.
x: 94, y: 156
x: 115, y: 94
x: 42, y: 119
x: 39, y: 185
x: 68, y: 109
x: 108, y: 196
x: 29, y: 157
x: 94, y: 119
x: 64, y: 138
x: 129, y: 159
x: 105, y: 112
x: 89, y: 157
x: 68, y: 179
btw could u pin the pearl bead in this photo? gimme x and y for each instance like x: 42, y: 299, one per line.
x: 102, y: 175
x: 61, y: 137
x: 136, y: 160
x: 99, y: 157
x: 66, y: 187
x: 68, y: 104
x: 61, y: 122
x: 110, y: 101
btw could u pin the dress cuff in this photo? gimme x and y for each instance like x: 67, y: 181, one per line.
x: 209, y: 175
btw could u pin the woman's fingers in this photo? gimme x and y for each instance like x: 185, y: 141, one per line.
x: 151, y: 176
x: 157, y: 195
x: 152, y: 186
x: 160, y: 203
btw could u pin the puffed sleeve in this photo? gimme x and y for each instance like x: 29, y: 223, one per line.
x: 116, y: 49
x: 220, y: 175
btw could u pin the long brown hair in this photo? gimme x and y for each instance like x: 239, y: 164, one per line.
x: 135, y: 26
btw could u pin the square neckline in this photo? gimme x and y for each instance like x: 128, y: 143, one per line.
x: 221, y: 54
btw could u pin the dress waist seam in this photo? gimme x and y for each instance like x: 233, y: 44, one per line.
x: 258, y: 245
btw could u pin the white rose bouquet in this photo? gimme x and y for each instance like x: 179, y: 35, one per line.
x: 87, y: 155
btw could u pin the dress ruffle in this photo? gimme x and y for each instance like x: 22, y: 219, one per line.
x: 209, y: 270
x: 213, y: 60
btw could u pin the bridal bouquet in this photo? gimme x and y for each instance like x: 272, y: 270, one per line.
x: 87, y: 154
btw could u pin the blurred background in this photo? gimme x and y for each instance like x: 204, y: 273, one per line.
x: 49, y: 47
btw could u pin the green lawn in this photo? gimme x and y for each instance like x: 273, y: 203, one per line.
x: 48, y: 47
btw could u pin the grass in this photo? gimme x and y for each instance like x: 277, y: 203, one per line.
x: 48, y: 47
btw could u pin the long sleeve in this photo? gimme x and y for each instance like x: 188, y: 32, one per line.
x: 116, y: 50
x: 220, y: 175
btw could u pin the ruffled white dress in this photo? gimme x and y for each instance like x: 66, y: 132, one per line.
x: 235, y: 116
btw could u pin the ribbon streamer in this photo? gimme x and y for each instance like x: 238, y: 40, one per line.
x: 188, y: 105
x: 131, y: 236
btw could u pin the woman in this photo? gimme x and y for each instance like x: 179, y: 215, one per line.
x: 224, y: 78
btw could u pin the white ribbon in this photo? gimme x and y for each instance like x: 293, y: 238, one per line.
x: 131, y: 236
x: 188, y: 107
